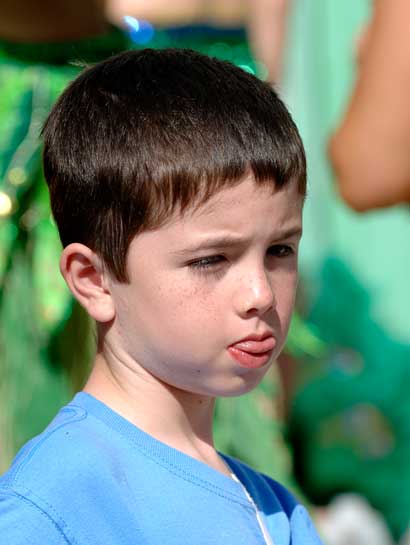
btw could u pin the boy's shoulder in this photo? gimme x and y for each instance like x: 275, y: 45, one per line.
x: 63, y: 453
x: 61, y: 478
x: 28, y: 491
x: 275, y: 499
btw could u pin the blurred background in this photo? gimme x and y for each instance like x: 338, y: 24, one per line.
x: 332, y: 419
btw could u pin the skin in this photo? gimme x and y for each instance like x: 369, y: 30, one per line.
x: 266, y: 26
x: 164, y: 354
x: 369, y: 149
x: 226, y: 13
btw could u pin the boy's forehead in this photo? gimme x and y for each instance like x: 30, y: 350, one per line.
x: 241, y: 205
x: 244, y: 194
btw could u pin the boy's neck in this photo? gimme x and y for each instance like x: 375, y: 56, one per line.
x: 179, y: 419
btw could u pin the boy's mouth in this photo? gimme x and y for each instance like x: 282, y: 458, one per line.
x: 254, y: 351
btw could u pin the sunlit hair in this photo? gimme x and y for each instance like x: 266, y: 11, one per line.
x: 147, y: 133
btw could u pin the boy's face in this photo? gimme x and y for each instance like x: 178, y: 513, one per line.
x: 204, y: 283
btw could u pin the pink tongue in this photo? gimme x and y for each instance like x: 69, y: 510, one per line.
x: 256, y: 347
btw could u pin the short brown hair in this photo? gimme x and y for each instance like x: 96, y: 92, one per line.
x: 138, y: 135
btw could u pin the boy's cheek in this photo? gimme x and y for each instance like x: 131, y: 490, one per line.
x: 286, y: 301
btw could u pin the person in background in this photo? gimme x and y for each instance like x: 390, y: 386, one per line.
x: 369, y: 150
x: 264, y: 20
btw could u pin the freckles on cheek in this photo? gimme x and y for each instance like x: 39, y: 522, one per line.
x: 195, y: 306
x: 206, y: 300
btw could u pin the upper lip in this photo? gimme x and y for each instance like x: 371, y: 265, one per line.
x: 255, y: 337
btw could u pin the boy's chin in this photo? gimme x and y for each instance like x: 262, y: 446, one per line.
x: 239, y: 391
x: 238, y: 386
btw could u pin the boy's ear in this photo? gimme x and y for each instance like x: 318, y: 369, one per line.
x: 83, y: 272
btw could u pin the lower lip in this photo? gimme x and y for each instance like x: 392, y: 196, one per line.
x: 251, y: 361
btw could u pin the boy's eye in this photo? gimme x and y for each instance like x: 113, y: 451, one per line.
x: 207, y: 262
x: 281, y: 250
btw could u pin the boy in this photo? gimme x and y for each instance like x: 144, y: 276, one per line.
x: 177, y: 183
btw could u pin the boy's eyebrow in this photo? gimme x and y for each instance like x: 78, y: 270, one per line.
x: 224, y: 241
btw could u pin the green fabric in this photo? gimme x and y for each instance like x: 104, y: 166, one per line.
x: 86, y: 50
x: 45, y: 340
x: 350, y: 419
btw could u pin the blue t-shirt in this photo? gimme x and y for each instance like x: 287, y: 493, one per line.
x: 93, y: 478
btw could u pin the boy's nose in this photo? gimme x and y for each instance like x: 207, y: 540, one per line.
x: 256, y: 295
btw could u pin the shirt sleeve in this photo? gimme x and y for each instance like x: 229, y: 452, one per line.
x: 22, y: 522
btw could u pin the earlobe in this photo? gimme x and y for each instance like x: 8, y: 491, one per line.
x: 83, y: 272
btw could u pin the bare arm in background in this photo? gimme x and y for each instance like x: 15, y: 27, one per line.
x: 267, y: 31
x: 370, y: 150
